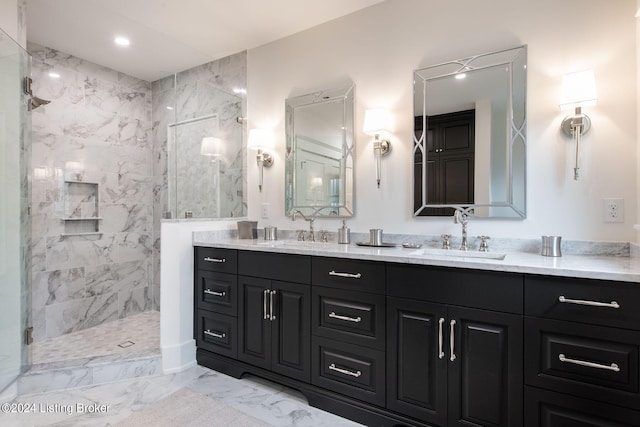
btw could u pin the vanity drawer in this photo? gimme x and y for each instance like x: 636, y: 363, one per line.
x: 217, y: 333
x: 275, y: 266
x: 548, y: 409
x: 352, y: 370
x: 217, y: 292
x: 216, y: 259
x: 350, y: 274
x: 598, y: 302
x: 354, y: 317
x: 594, y: 362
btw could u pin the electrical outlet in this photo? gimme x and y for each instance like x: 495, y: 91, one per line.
x: 264, y: 211
x: 613, y: 210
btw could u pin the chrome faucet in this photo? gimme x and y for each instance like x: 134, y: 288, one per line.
x: 460, y: 217
x: 312, y: 237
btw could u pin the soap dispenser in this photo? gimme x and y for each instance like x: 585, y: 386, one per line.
x: 344, y: 234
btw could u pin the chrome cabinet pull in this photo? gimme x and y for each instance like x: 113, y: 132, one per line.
x: 613, y: 367
x: 452, y: 340
x: 271, y: 295
x: 611, y: 304
x: 440, y: 352
x: 214, y: 334
x: 265, y: 315
x: 214, y: 293
x: 220, y: 260
x: 344, y: 371
x: 345, y: 318
x: 349, y: 275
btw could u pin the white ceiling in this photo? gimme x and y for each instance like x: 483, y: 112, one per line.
x: 168, y: 36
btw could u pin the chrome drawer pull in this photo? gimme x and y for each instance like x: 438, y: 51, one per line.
x: 344, y: 371
x: 214, y: 293
x: 345, y: 318
x: 349, y: 275
x: 611, y: 304
x: 440, y: 352
x: 613, y: 367
x: 272, y: 316
x: 265, y: 316
x: 452, y: 340
x: 214, y: 334
x: 215, y: 259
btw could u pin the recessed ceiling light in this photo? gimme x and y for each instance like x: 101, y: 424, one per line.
x: 122, y: 41
x: 54, y: 75
x: 169, y: 107
x: 240, y: 90
x: 461, y: 76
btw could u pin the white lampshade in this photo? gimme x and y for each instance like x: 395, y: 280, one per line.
x: 211, y: 146
x: 376, y: 121
x: 578, y: 90
x: 259, y: 139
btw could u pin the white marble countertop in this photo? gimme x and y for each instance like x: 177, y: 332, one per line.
x: 618, y: 268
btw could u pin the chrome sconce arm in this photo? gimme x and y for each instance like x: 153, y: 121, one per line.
x: 377, y: 121
x: 259, y: 139
x: 576, y: 126
x: 264, y: 160
x: 381, y: 148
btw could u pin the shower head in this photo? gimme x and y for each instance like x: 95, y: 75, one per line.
x: 36, y: 102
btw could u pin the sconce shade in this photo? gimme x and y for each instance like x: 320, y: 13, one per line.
x: 211, y: 146
x: 260, y: 139
x: 376, y: 121
x: 578, y: 90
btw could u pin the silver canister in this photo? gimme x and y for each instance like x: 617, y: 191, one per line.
x: 270, y: 233
x: 375, y: 237
x: 247, y: 229
x: 551, y: 246
x: 344, y: 234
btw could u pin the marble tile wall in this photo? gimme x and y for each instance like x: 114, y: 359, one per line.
x: 97, y: 127
x: 209, y: 89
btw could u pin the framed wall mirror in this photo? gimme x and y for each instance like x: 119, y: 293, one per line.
x: 470, y: 136
x: 319, y: 153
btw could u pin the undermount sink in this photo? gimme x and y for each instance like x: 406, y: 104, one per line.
x: 296, y: 243
x: 458, y: 254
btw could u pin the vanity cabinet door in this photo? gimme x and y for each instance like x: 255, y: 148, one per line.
x: 417, y: 364
x: 485, y: 375
x: 254, y: 328
x: 291, y: 330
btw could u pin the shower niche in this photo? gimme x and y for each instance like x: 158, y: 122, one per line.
x: 81, y: 208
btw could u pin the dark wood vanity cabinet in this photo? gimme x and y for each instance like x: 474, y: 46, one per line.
x: 582, y: 343
x: 390, y: 344
x: 452, y: 365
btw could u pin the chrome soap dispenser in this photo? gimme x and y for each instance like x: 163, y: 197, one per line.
x: 344, y: 234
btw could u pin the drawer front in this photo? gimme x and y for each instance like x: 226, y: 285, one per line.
x: 217, y: 292
x: 548, y: 409
x: 275, y: 266
x: 355, y: 371
x: 215, y: 259
x: 468, y: 288
x: 217, y: 333
x: 366, y: 276
x: 597, y: 302
x: 594, y: 362
x: 353, y: 317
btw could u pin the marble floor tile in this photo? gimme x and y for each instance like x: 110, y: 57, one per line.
x: 269, y: 402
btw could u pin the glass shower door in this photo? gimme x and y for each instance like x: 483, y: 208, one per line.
x: 15, y: 165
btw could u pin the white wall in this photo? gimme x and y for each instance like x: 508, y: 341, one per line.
x: 378, y: 49
x: 9, y: 17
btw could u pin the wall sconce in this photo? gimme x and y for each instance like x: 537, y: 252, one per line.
x: 578, y: 90
x: 259, y: 139
x: 377, y: 121
x: 211, y: 147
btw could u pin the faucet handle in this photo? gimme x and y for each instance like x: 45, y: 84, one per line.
x: 445, y: 241
x: 300, y: 234
x: 484, y: 247
x: 324, y: 236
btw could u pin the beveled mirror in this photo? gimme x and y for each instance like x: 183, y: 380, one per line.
x: 319, y: 153
x: 470, y: 136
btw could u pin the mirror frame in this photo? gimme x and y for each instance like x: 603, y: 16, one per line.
x: 515, y: 60
x: 345, y: 208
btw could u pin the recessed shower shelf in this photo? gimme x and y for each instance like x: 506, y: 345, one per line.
x: 91, y: 233
x: 94, y: 218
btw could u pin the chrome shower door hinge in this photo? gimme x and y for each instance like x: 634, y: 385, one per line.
x: 28, y: 335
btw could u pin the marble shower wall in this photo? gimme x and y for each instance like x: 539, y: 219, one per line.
x: 209, y: 89
x: 99, y: 120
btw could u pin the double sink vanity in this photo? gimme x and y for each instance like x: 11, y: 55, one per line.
x: 425, y: 337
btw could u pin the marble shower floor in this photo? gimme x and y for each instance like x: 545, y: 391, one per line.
x: 109, y: 340
x: 269, y: 402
